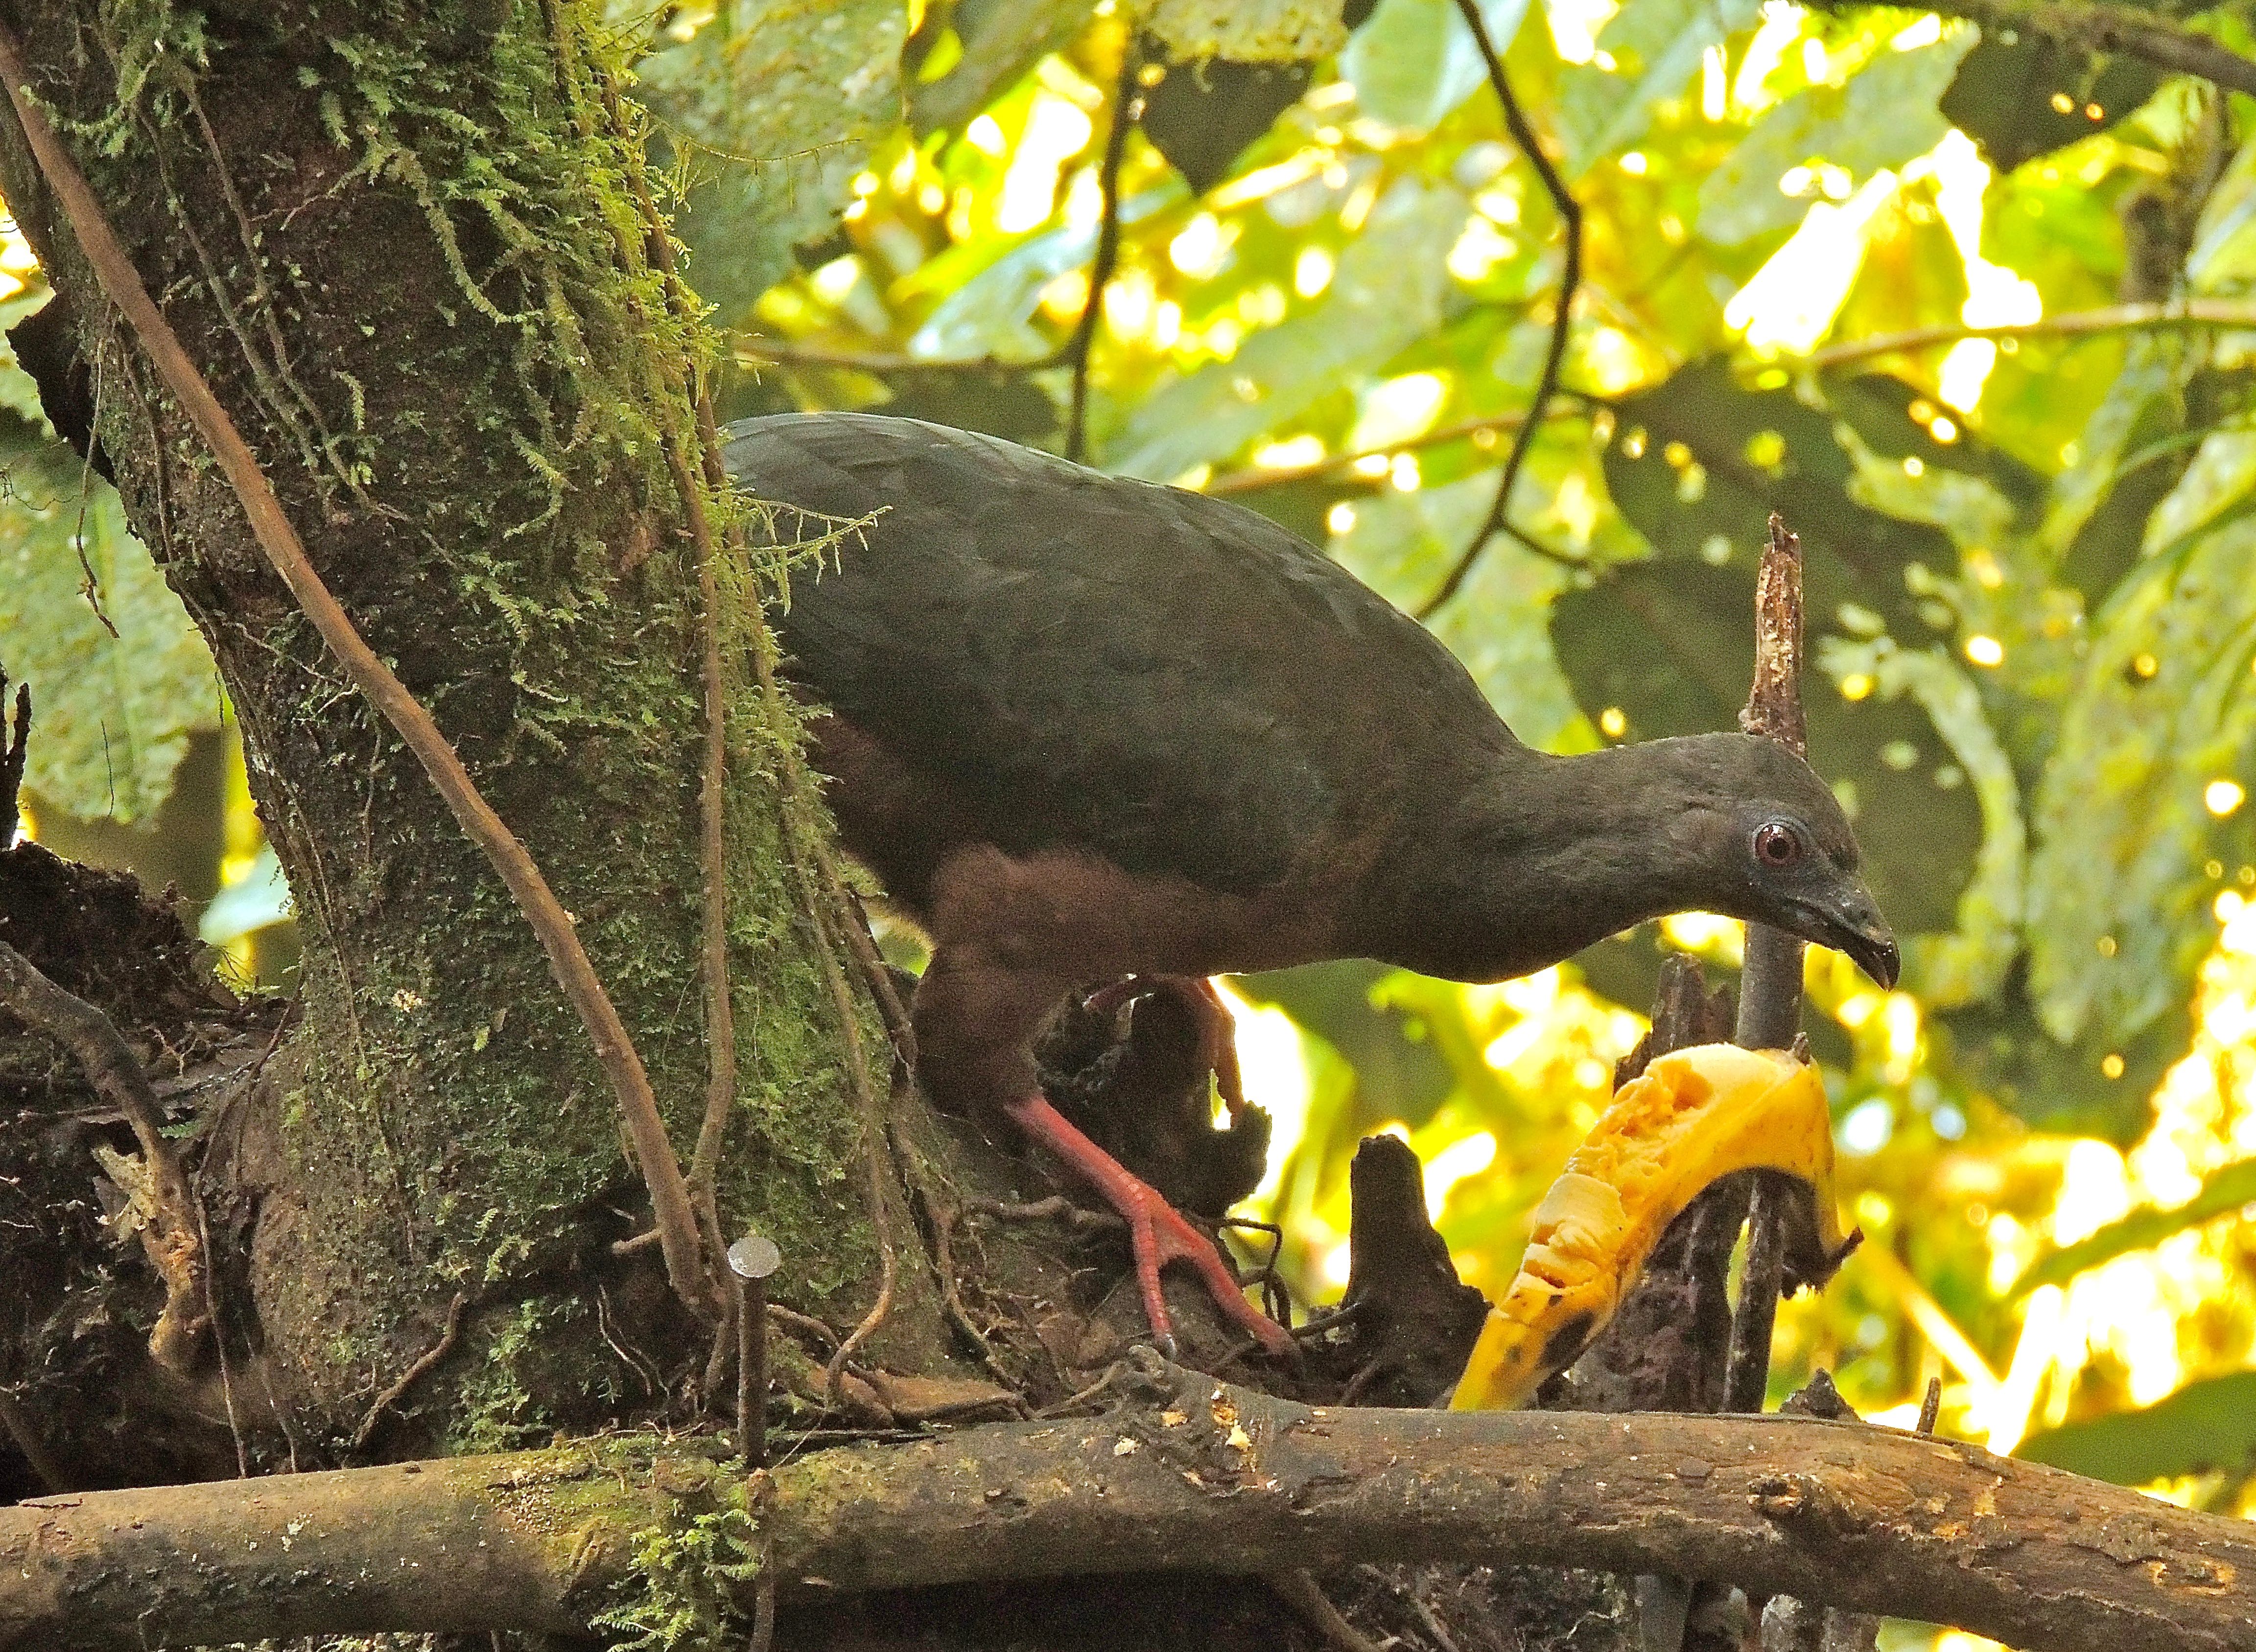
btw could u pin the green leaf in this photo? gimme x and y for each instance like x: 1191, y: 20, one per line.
x: 2229, y: 1190
x: 2131, y: 455
x: 111, y: 714
x: 1970, y: 963
x: 2003, y: 1047
x: 776, y: 104
x: 997, y: 41
x: 1657, y: 46
x: 1388, y: 293
x: 1403, y: 543
x: 987, y: 315
x: 1883, y: 118
x: 2002, y: 95
x: 2163, y: 706
x: 2209, y: 1425
x: 257, y: 900
x: 1414, y: 62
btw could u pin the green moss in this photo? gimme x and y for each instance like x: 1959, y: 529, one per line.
x: 475, y: 452
x: 685, y: 1571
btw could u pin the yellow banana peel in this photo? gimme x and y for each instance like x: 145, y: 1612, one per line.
x: 1693, y: 1117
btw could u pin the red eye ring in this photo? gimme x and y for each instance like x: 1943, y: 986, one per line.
x: 1777, y: 844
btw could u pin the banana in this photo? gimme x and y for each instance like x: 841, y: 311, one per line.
x: 1693, y: 1117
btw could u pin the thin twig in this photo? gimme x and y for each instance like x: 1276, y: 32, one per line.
x: 1125, y: 102
x: 413, y: 1373
x: 1563, y: 317
x: 1261, y: 478
x: 170, y: 1231
x: 568, y: 958
x: 2071, y: 324
x: 1300, y: 1591
x: 1930, y: 1407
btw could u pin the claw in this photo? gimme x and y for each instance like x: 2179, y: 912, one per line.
x: 1695, y: 1116
x: 1157, y: 1231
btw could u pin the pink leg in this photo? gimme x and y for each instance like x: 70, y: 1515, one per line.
x: 1156, y: 1233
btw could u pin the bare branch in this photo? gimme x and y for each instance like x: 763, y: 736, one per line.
x: 2116, y: 318
x: 1857, y: 1517
x: 575, y: 975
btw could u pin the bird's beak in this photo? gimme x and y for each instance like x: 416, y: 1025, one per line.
x: 1852, y: 924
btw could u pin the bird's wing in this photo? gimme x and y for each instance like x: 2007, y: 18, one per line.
x: 1171, y: 681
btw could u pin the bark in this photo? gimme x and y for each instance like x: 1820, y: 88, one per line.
x: 1205, y: 1479
x: 402, y: 249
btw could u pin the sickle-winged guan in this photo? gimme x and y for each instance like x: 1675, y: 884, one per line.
x: 1083, y: 728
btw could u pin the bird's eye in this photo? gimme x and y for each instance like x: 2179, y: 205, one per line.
x: 1777, y: 844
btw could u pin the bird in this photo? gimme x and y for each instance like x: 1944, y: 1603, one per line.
x: 1084, y: 730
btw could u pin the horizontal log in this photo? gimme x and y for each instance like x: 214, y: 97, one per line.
x: 1192, y: 1475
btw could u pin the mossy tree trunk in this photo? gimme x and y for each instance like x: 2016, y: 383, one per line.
x: 404, y: 245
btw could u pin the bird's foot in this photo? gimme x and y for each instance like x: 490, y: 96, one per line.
x: 1157, y: 1231
x: 1217, y: 1033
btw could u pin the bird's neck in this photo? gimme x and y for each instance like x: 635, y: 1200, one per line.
x: 1542, y: 857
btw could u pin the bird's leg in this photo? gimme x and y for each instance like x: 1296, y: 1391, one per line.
x: 1157, y: 1231
x: 974, y: 1012
x: 1217, y: 1033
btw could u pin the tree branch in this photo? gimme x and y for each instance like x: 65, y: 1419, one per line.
x: 1203, y: 1477
x: 2139, y: 34
x: 2119, y: 317
x: 576, y: 975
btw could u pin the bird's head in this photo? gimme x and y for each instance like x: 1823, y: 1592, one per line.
x: 1766, y: 841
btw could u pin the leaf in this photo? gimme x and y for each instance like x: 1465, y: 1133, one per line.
x: 257, y: 900
x: 2002, y: 95
x: 1970, y: 962
x: 1388, y: 293
x: 2004, y: 1048
x: 1202, y: 114
x: 1657, y: 46
x: 1402, y: 544
x: 111, y: 714
x: 987, y: 315
x: 2208, y: 1425
x: 1415, y: 62
x: 1757, y: 452
x: 2226, y: 1191
x: 775, y: 105
x: 2163, y: 706
x: 996, y: 42
x: 1882, y: 118
x: 1878, y: 407
x: 2131, y: 455
x: 1225, y: 72
x: 1395, y: 1078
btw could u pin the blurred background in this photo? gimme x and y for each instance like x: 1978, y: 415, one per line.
x: 1973, y: 314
